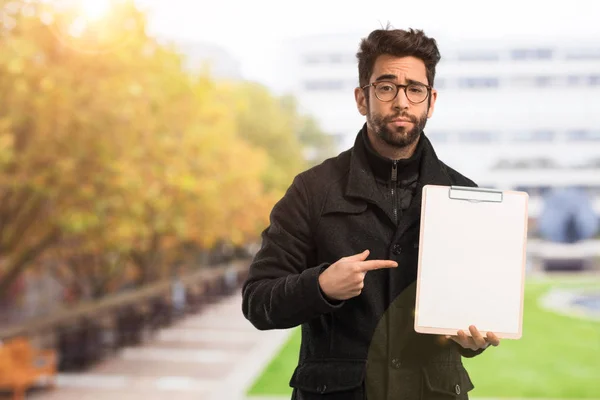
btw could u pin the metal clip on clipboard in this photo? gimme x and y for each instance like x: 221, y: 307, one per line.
x: 475, y: 195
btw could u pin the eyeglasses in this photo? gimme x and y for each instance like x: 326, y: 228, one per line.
x: 387, y: 91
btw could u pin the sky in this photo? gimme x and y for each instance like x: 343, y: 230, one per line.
x: 252, y: 31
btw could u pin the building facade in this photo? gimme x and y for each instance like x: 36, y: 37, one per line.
x: 517, y: 113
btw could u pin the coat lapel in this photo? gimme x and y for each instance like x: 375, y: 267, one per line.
x: 360, y: 187
x: 361, y: 181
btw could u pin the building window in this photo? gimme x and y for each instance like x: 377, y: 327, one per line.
x: 336, y: 58
x: 522, y: 81
x: 313, y: 59
x: 583, y: 54
x: 531, y: 54
x: 582, y: 135
x: 327, y: 58
x: 478, y: 56
x: 324, y: 85
x: 555, y: 81
x: 478, y: 136
x: 535, y: 163
x: 535, y: 136
x: 594, y: 80
x: 480, y: 82
x: 582, y: 80
x: 575, y: 80
x: 544, y: 81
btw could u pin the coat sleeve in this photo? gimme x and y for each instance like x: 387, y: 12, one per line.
x: 468, y: 353
x: 282, y: 289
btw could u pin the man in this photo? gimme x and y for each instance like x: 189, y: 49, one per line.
x: 340, y: 255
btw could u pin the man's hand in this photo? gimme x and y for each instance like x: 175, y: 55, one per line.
x: 344, y: 279
x: 476, y: 341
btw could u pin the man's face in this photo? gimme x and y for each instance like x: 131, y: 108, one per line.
x: 399, y: 122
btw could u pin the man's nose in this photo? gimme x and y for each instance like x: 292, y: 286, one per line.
x: 401, y: 101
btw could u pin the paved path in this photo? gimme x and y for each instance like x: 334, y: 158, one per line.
x: 216, y: 354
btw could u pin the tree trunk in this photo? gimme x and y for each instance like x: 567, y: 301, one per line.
x: 25, y: 259
x: 146, y: 260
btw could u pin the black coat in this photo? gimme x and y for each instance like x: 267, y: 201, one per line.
x: 365, y: 345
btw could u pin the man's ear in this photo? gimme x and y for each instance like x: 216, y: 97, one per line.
x: 431, y: 100
x: 361, y: 101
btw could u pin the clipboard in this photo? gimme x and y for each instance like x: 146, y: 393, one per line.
x: 471, y: 266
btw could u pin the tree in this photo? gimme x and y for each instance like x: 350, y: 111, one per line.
x: 316, y: 144
x: 67, y: 119
x: 265, y: 123
x: 113, y: 154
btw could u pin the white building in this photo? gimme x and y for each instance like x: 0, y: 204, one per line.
x: 518, y: 113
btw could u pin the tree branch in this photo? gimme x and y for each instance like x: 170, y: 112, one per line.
x: 24, y: 218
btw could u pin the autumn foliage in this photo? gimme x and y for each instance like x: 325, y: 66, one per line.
x: 114, y: 157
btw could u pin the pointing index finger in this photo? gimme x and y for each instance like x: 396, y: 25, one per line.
x: 371, y: 265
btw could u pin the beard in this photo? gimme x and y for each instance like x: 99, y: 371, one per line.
x: 397, y: 136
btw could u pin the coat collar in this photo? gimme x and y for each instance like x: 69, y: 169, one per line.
x: 407, y: 169
x: 361, y: 180
x: 361, y: 187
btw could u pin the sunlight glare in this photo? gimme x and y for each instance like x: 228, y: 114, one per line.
x: 94, y: 10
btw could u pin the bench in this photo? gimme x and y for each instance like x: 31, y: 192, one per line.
x: 23, y: 367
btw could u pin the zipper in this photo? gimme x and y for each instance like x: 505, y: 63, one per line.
x: 394, y: 191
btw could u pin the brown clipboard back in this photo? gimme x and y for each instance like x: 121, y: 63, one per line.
x: 472, y: 257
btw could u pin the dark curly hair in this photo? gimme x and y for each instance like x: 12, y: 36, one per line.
x: 398, y: 43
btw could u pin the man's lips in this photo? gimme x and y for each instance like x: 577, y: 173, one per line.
x: 400, y: 121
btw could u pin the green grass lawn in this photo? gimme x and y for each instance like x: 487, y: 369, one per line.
x: 557, y: 357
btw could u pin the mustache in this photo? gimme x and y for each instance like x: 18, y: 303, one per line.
x: 409, y: 117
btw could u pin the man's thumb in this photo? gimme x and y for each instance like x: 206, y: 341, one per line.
x: 359, y: 257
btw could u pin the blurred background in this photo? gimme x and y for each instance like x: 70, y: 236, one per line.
x: 144, y: 142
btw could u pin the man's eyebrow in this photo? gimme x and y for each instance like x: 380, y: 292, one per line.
x: 392, y: 77
x: 386, y: 77
x: 412, y: 81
